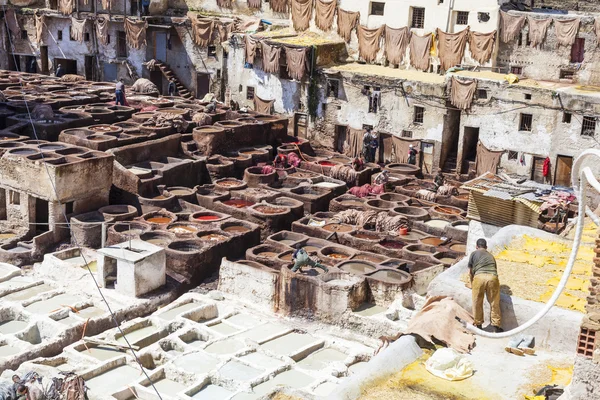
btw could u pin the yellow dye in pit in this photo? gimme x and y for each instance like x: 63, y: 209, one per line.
x: 415, y: 383
x: 531, y: 268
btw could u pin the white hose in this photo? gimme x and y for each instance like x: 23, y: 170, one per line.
x: 580, y: 178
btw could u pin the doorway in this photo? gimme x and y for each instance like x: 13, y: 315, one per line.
x: 426, y: 161
x: 202, y: 84
x: 341, y: 134
x: 31, y: 64
x: 160, y: 46
x: 41, y: 216
x: 69, y: 66
x: 450, y: 134
x: 156, y: 77
x: 469, y: 148
x: 44, y: 59
x: 90, y: 68
x: 537, y: 170
x: 14, y: 62
x: 562, y: 172
x: 300, y: 125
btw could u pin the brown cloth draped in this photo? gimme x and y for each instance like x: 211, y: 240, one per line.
x: 66, y: 7
x: 246, y: 25
x: 325, y: 11
x: 106, y: 4
x: 296, y: 61
x: 537, y: 30
x: 346, y: 21
x: 510, y: 26
x: 263, y: 106
x: 451, y: 47
x: 279, y: 6
x: 270, y: 57
x: 487, y: 160
x: 77, y: 29
x: 396, y: 42
x: 462, y: 92
x: 597, y: 30
x: 354, y: 142
x: 250, y: 50
x: 202, y: 31
x: 225, y: 3
x: 255, y: 4
x: 12, y: 22
x: 419, y: 51
x: 481, y: 46
x: 369, y: 41
x: 301, y: 14
x: 102, y: 30
x: 566, y: 30
x: 401, y: 147
x: 224, y: 31
x: 135, y: 33
x: 387, y: 146
x: 40, y: 22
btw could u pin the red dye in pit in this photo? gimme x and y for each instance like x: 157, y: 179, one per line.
x: 326, y: 163
x: 208, y: 217
x: 392, y: 244
x: 238, y: 203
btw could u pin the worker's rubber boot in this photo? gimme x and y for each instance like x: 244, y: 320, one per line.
x: 324, y: 268
x: 296, y: 267
x: 513, y: 346
x: 527, y: 345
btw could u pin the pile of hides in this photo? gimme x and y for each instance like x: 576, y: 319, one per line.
x: 366, y: 190
x: 425, y: 194
x: 381, y: 221
x: 144, y: 85
x: 71, y: 78
x: 202, y: 119
x: 165, y: 120
x: 71, y: 387
x: 135, y: 32
x: 557, y: 199
x: 42, y: 112
x: 267, y: 169
x: 446, y: 190
x: 344, y: 173
x: 293, y: 159
x: 449, y: 364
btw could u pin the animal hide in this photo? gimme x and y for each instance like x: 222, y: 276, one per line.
x: 487, y: 160
x: 346, y: 21
x: 135, y: 33
x: 425, y: 194
x: 250, y: 48
x: 263, y: 106
x: 106, y: 4
x: 224, y: 31
x: 279, y: 6
x: 401, y: 147
x: 12, y: 22
x: 396, y: 42
x: 354, y: 142
x: 270, y: 58
x: 369, y: 42
x: 481, y: 46
x: 451, y: 47
x: 387, y: 148
x: 597, y: 30
x: 102, y: 30
x: 447, y: 190
x: 296, y: 61
x: 510, y: 26
x: 325, y: 11
x: 202, y: 31
x: 77, y: 29
x: 462, y: 92
x: 301, y: 14
x: 225, y: 3
x: 255, y: 4
x: 537, y: 30
x: 246, y: 25
x: 66, y: 7
x: 40, y: 23
x: 420, y: 51
x: 566, y: 30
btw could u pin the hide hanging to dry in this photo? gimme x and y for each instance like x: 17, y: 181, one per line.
x: 346, y: 21
x: 462, y: 92
x: 250, y: 48
x: 263, y: 106
x: 77, y: 29
x: 255, y: 4
x: 40, y: 24
x: 135, y: 33
x: 354, y: 142
x: 537, y: 30
x: 510, y: 26
x: 225, y: 3
x: 246, y: 25
x: 279, y: 6
x: 202, y: 31
x: 106, y: 4
x: 66, y: 7
x: 369, y: 42
x: 224, y: 31
x: 301, y: 14
x: 451, y: 47
x: 296, y: 61
x: 324, y: 14
x: 420, y: 51
x: 481, y: 46
x: 12, y: 22
x: 270, y: 57
x: 566, y: 30
x: 102, y: 30
x: 402, y: 146
x: 487, y: 160
x: 396, y: 42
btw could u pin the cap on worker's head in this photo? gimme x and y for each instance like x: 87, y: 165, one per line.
x: 16, y: 378
x: 482, y: 243
x: 411, y: 146
x: 121, y: 79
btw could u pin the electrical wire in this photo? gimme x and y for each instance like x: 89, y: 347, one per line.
x: 53, y: 184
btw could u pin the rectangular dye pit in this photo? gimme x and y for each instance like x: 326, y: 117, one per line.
x: 244, y: 320
x: 357, y: 367
x: 7, y: 351
x: 12, y: 326
x: 101, y: 353
x: 137, y: 335
x: 262, y: 360
x: 168, y: 387
x: 236, y: 371
x: 212, y: 392
x: 292, y: 378
x: 262, y: 333
x: 174, y: 312
x: 224, y: 328
x: 369, y: 309
x: 222, y: 347
x: 321, y: 359
x: 112, y: 380
x: 53, y: 304
x: 91, y: 312
x: 28, y: 293
x: 197, y: 363
x: 290, y: 344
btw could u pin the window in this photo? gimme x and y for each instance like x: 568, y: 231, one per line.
x: 365, y: 127
x: 240, y: 89
x: 407, y: 134
x: 419, y: 114
x: 212, y: 51
x: 218, y: 73
x: 86, y: 37
x: 59, y: 35
x: 249, y: 93
x: 527, y: 96
x: 121, y: 44
x: 283, y: 69
x: 71, y: 34
x: 418, y: 17
x: 588, y: 127
x: 567, y: 118
x: 14, y: 198
x: 516, y: 70
x: 483, y: 16
x: 377, y: 8
x: 526, y: 122
x: 69, y: 208
x: 482, y: 94
x: 513, y: 155
x: 520, y: 41
x: 333, y: 88
x: 107, y: 39
x: 462, y: 18
x: 323, y: 108
x: 578, y: 51
x: 24, y: 34
x: 566, y: 74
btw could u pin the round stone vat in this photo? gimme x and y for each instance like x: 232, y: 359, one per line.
x: 394, y: 197
x: 403, y: 169
x: 230, y: 184
x: 183, y: 229
x: 235, y: 228
x: 334, y: 254
x: 356, y: 267
x: 159, y: 219
x: 446, y: 212
x: 380, y: 205
x: 448, y: 258
x: 213, y: 236
x: 419, y: 252
x: 339, y: 228
x: 124, y: 231
x: 412, y: 213
x: 119, y: 212
x: 370, y: 257
x: 158, y: 238
x: 183, y: 193
x: 207, y: 217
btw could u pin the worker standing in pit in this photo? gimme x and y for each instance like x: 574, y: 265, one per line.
x: 301, y: 259
x: 485, y: 282
x: 120, y: 93
x: 439, y: 180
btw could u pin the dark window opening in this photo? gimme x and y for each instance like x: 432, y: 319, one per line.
x: 567, y: 118
x: 369, y: 127
x: 588, y: 127
x: 71, y: 34
x: 520, y: 41
x: 323, y: 108
x: 527, y: 96
x: 283, y: 69
x: 249, y: 93
x: 407, y: 134
x: 377, y: 8
x: 578, y: 50
x: 24, y: 34
x: 483, y: 16
x: 566, y: 74
x: 69, y: 208
x: 418, y: 17
x: 419, y: 115
x: 513, y: 155
x: 526, y: 122
x: 86, y: 37
x: 218, y: 73
x: 482, y: 94
x: 516, y: 70
x: 121, y: 44
x: 14, y: 198
x: 107, y: 39
x: 462, y: 18
x: 59, y: 35
x: 333, y: 88
x: 374, y: 100
x: 212, y: 51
